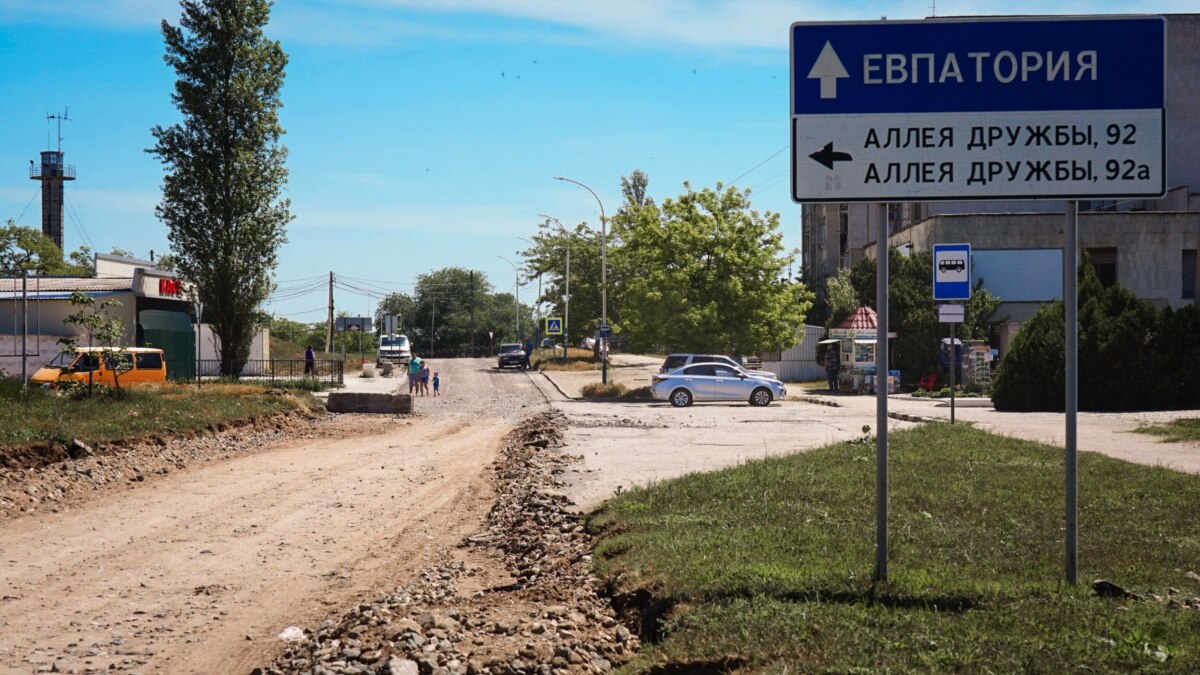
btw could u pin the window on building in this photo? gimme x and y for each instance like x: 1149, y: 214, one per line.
x: 1189, y: 274
x: 1104, y: 261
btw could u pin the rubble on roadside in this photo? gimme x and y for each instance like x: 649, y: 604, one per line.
x: 519, y: 597
x: 31, y: 482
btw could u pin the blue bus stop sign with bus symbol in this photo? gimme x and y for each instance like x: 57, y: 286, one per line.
x: 951, y: 271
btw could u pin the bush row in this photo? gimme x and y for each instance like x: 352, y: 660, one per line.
x: 1131, y: 355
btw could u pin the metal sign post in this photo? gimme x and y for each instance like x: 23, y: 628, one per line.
x: 978, y: 109
x: 1071, y: 458
x: 881, y: 399
x: 952, y: 314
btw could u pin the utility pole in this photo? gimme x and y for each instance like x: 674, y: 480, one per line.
x: 472, y: 313
x: 329, y: 322
x: 25, y: 334
x: 432, y: 316
x: 537, y: 334
x: 567, y: 303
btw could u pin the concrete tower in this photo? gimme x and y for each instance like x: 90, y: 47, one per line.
x: 52, y: 173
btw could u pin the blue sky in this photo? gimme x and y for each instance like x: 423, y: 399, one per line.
x: 425, y: 133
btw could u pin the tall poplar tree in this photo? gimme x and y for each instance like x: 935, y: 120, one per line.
x: 225, y: 164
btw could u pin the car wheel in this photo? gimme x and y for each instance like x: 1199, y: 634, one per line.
x: 681, y: 398
x: 760, y: 397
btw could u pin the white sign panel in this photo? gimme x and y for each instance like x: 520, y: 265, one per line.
x: 952, y: 313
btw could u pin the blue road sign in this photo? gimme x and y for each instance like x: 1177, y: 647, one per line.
x: 978, y: 109
x: 605, y: 331
x: 554, y: 326
x: 951, y: 271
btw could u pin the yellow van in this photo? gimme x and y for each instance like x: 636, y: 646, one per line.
x: 136, y: 365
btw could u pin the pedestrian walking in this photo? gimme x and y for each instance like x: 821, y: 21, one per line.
x: 423, y: 374
x: 437, y: 383
x: 310, y: 360
x: 414, y: 370
x: 528, y: 348
x: 832, y: 366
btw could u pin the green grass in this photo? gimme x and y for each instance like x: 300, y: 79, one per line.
x: 1175, y: 431
x: 768, y: 566
x: 48, y: 417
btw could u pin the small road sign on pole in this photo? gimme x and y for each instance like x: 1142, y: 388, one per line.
x: 554, y: 325
x: 952, y: 313
x: 951, y: 271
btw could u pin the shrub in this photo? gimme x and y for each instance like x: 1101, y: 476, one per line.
x: 1131, y: 357
x: 598, y: 390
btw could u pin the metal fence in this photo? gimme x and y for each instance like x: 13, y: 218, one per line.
x: 324, y: 370
x: 798, y: 363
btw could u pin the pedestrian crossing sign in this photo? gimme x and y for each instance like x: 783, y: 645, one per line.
x: 554, y: 326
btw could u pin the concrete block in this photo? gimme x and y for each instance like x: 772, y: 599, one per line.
x: 361, y: 402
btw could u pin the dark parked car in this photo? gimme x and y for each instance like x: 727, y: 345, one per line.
x: 511, y: 354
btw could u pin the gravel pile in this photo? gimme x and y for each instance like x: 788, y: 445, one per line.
x: 536, y: 607
x: 29, y: 484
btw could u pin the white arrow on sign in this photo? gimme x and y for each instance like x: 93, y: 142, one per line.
x: 828, y: 69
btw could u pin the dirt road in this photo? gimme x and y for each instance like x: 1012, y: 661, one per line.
x: 198, y: 571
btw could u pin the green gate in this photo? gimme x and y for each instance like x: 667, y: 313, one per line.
x: 175, y: 334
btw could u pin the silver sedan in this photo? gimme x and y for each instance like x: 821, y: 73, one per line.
x: 714, y: 382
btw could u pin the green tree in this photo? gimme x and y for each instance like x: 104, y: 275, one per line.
x: 1122, y: 344
x: 981, y: 320
x: 83, y: 259
x: 548, y: 257
x: 912, y: 312
x: 457, y: 304
x: 396, y: 304
x: 840, y: 297
x: 225, y: 164
x: 703, y: 273
x: 24, y: 248
x: 166, y: 262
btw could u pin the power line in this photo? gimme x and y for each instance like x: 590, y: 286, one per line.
x: 773, y: 155
x: 74, y: 191
x: 36, y: 192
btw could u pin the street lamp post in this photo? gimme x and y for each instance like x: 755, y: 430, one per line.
x: 603, y: 274
x: 566, y: 333
x: 516, y: 293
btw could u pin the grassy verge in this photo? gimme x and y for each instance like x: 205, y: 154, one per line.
x: 1175, y: 431
x: 616, y: 391
x: 767, y: 567
x: 50, y: 418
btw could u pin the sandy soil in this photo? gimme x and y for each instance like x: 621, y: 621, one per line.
x: 198, y: 571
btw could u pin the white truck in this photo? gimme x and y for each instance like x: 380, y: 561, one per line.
x: 394, y: 349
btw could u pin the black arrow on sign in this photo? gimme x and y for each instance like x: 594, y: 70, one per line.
x: 827, y: 156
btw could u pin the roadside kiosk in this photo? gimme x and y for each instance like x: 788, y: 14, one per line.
x: 855, y: 337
